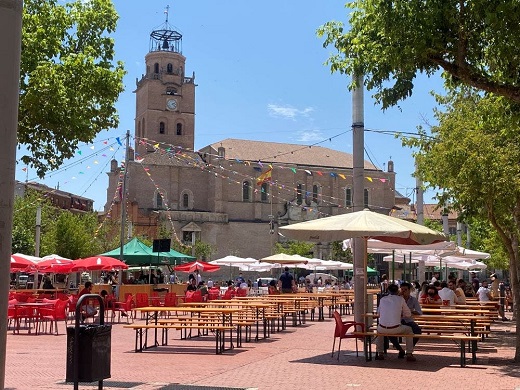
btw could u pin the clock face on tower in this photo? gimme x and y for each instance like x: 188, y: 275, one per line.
x: 171, y: 104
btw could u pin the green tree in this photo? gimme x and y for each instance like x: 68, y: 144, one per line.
x: 390, y: 42
x: 69, y: 82
x: 473, y: 156
x: 24, y: 223
x: 75, y: 235
x: 295, y: 248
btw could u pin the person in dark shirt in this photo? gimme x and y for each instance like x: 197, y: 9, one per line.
x: 286, y: 282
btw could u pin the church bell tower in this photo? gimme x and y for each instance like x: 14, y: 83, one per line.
x: 165, y: 97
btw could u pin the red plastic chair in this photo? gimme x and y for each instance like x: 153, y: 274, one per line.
x: 242, y: 292
x: 54, y: 314
x: 196, y: 296
x: 341, y: 331
x: 141, y: 300
x: 213, y: 293
x: 123, y: 308
x: 170, y: 299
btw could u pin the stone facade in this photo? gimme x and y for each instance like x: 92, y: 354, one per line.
x: 212, y: 194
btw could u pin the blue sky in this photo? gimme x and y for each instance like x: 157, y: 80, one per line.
x: 260, y: 71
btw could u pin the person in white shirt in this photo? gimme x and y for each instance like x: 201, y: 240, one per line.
x: 483, y: 293
x: 435, y: 277
x: 392, y: 308
x: 447, y: 294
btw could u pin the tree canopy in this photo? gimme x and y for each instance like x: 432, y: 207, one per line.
x: 473, y: 156
x: 69, y: 81
x: 390, y: 42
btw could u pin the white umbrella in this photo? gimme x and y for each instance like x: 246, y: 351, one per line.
x: 257, y: 267
x: 233, y: 261
x: 285, y: 259
x: 363, y: 224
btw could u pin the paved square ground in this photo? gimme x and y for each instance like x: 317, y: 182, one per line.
x: 298, y: 358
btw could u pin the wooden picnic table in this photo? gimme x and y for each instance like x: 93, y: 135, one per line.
x: 225, y: 316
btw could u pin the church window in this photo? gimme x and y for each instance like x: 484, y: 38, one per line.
x: 246, y: 191
x: 315, y: 193
x: 365, y: 198
x: 158, y: 200
x: 299, y: 196
x: 264, y: 192
x: 185, y: 201
x: 171, y: 91
x: 162, y: 128
x: 169, y: 68
x: 348, y: 197
x: 179, y: 128
x: 156, y: 68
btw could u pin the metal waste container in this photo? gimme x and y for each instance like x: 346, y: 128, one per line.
x: 94, y: 350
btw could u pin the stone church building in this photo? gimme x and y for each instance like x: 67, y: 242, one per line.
x: 233, y: 194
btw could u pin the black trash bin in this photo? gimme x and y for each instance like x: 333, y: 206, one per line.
x: 94, y: 349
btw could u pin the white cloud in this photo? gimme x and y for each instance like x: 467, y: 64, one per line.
x: 310, y: 136
x: 288, y: 112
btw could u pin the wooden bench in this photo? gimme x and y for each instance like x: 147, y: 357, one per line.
x: 141, y: 333
x: 462, y: 339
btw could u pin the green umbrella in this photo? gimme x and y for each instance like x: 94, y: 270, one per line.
x: 135, y: 252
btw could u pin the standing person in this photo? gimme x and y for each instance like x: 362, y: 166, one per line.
x: 475, y: 283
x: 239, y: 280
x: 496, y: 292
x: 392, y: 308
x: 435, y: 278
x: 286, y: 282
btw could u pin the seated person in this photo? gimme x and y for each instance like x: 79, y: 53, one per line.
x: 192, y: 285
x: 272, y: 289
x: 203, y: 288
x: 87, y: 309
x: 432, y: 297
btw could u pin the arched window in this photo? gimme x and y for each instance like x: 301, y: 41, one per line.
x: 185, y: 201
x: 169, y: 68
x: 156, y: 68
x: 246, y: 191
x: 162, y: 128
x: 365, y: 198
x: 171, y: 91
x: 299, y: 197
x: 315, y: 193
x: 158, y: 200
x: 348, y: 197
x: 179, y: 128
x: 264, y: 194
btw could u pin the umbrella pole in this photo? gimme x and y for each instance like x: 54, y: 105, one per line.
x: 393, y: 264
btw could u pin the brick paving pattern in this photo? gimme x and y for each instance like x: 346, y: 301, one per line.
x: 298, y: 358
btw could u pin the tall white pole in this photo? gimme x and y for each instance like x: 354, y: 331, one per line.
x: 123, y: 210
x: 420, y: 220
x: 37, y: 243
x: 358, y: 171
x: 10, y: 51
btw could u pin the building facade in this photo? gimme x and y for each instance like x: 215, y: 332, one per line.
x: 233, y: 194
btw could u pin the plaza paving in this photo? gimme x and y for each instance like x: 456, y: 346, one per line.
x: 298, y: 358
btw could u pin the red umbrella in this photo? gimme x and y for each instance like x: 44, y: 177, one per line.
x: 98, y: 263
x: 55, y: 264
x: 197, y: 265
x: 19, y: 261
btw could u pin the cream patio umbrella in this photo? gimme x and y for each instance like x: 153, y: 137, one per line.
x: 233, y: 261
x: 362, y: 224
x: 285, y: 259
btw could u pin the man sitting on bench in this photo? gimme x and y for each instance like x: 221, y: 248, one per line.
x: 392, y: 308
